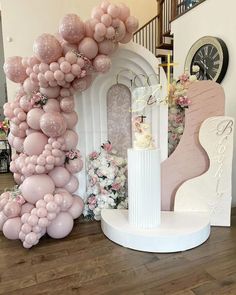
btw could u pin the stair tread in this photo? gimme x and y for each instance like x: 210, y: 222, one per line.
x: 165, y: 46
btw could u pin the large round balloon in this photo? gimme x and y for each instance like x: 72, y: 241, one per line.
x: 14, y: 69
x: 3, y: 219
x: 36, y: 186
x: 102, y: 63
x: 51, y: 92
x: 75, y: 165
x: 88, y: 47
x: 61, y: 226
x: 71, y: 139
x: 34, y: 143
x: 12, y: 209
x: 33, y: 118
x: 47, y: 48
x: 71, y: 119
x: 72, y: 29
x: 52, y: 105
x: 53, y: 124
x: 72, y: 185
x: 11, y: 228
x: 77, y: 207
x: 60, y: 176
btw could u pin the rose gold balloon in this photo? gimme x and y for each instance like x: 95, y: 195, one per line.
x: 14, y: 69
x: 53, y: 124
x: 72, y: 28
x: 47, y: 48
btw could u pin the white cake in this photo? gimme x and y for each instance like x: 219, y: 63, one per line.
x: 144, y: 179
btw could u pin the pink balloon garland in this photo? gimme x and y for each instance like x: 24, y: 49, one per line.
x: 42, y: 119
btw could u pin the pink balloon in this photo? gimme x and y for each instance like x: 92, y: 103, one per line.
x: 102, y: 63
x: 83, y: 83
x: 77, y: 207
x: 124, y: 12
x: 54, y: 66
x: 36, y: 186
x: 127, y: 38
x: 11, y: 228
x: 31, y: 238
x: 34, y: 143
x: 30, y: 86
x: 61, y: 226
x: 3, y: 219
x: 52, y: 105
x: 26, y: 208
x: 88, y: 47
x: 106, y: 47
x: 71, y: 139
x: 53, y: 124
x: 72, y: 28
x: 67, y: 104
x: 60, y: 176
x: 47, y: 48
x: 32, y: 220
x: 49, y: 76
x: 100, y: 29
x: 68, y: 47
x: 65, y: 67
x: 33, y: 118
x: 41, y: 212
x: 18, y: 144
x: 59, y: 76
x: 71, y: 57
x: 74, y: 166
x: 67, y: 200
x: 131, y: 24
x: 12, y: 209
x: 89, y: 29
x: 43, y: 67
x: 120, y: 31
x: 72, y: 185
x: 51, y: 206
x: 113, y: 10
x: 106, y: 19
x: 14, y: 69
x: 71, y: 119
x: 76, y: 70
x: 97, y: 13
x: 17, y: 178
x: 51, y: 92
x: 104, y: 5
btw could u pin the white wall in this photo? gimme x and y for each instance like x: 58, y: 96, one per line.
x: 214, y: 18
x: 2, y: 75
x: 24, y: 20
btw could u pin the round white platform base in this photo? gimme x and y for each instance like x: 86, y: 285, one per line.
x: 179, y: 231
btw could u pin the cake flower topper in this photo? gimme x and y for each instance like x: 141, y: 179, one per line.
x: 142, y: 132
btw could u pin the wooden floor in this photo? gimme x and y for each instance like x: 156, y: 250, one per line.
x: 87, y: 263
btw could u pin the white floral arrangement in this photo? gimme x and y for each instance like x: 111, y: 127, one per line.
x: 107, y: 181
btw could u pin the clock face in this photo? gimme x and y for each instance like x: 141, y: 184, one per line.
x: 210, y: 54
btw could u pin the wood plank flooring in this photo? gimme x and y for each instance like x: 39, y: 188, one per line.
x: 86, y: 263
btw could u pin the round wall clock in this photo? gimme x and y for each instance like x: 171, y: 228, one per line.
x: 212, y: 57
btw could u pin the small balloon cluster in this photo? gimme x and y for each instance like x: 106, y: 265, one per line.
x: 42, y: 119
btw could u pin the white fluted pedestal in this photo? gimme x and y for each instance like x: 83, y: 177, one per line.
x: 144, y: 227
x: 144, y: 188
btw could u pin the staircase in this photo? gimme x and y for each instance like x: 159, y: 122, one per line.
x: 156, y: 35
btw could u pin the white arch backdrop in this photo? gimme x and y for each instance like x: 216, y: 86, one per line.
x: 91, y: 105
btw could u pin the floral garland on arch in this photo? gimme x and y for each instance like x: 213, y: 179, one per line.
x: 106, y: 182
x: 178, y: 103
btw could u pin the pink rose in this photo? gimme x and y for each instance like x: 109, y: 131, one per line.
x: 93, y: 155
x: 92, y: 200
x: 107, y: 147
x: 116, y: 186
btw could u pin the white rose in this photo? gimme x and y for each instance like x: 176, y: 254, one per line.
x: 192, y: 78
